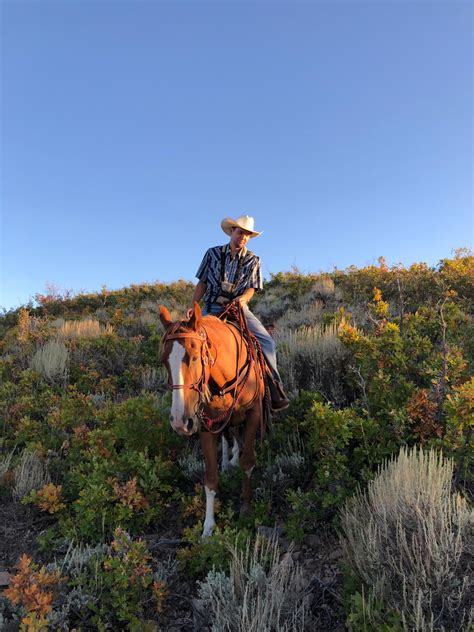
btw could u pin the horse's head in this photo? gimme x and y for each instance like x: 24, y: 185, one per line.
x: 185, y: 355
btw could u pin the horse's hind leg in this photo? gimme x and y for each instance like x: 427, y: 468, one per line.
x: 247, y: 459
x: 235, y: 452
x: 211, y: 479
x: 225, y: 464
x: 234, y: 461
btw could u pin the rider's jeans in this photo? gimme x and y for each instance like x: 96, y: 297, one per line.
x: 266, y: 341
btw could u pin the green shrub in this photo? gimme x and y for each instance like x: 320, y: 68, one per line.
x: 140, y: 424
x: 109, y: 490
x: 201, y: 555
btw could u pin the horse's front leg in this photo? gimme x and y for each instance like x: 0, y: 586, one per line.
x: 211, y: 478
x: 247, y: 459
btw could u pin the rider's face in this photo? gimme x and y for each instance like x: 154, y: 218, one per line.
x: 239, y: 237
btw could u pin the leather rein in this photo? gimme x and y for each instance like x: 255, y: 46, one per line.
x: 207, y: 362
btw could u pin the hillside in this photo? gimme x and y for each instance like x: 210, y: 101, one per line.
x: 105, y: 503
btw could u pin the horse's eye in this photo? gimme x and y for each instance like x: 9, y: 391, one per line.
x: 194, y: 358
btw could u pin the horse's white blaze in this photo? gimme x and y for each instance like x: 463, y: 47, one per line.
x: 176, y: 367
x: 209, y: 522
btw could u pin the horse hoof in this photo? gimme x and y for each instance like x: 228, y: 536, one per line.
x: 207, y: 531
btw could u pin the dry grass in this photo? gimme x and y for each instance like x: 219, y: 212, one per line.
x: 409, y: 539
x: 31, y: 473
x: 311, y: 358
x: 307, y: 315
x: 153, y: 379
x: 5, y: 461
x: 264, y: 591
x: 88, y: 328
x: 324, y: 286
x: 148, y: 313
x: 51, y: 360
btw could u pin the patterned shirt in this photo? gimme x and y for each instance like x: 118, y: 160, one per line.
x: 245, y: 263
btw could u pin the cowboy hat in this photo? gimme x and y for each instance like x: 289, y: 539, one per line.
x: 245, y: 222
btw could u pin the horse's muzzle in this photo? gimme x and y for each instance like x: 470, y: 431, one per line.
x: 187, y: 427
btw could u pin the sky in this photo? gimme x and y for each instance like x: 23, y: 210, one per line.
x: 130, y: 129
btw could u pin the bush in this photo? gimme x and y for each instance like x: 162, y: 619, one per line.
x: 312, y: 358
x: 408, y: 542
x: 262, y: 592
x: 31, y: 474
x: 200, y: 555
x: 52, y: 361
x: 128, y: 490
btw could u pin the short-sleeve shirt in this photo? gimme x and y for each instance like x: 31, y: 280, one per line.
x: 248, y: 270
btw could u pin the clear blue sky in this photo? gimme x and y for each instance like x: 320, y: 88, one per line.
x: 130, y: 129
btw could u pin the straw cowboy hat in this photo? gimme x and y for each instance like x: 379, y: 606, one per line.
x: 244, y: 221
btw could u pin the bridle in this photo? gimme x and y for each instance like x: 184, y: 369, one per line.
x: 206, y: 358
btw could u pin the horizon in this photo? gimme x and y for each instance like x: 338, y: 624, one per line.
x: 65, y: 293
x: 130, y: 130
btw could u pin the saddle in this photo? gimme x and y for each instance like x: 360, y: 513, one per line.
x: 233, y: 314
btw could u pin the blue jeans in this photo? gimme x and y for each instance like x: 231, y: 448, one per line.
x: 266, y: 341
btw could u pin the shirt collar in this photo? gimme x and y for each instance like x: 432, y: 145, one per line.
x: 241, y: 254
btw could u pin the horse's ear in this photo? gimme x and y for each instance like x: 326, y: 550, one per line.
x: 196, y: 316
x: 165, y: 317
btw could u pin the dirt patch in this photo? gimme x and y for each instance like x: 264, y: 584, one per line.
x: 19, y: 528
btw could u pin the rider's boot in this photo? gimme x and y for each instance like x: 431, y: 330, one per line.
x: 277, y: 394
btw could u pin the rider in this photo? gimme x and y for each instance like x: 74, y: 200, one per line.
x: 232, y: 272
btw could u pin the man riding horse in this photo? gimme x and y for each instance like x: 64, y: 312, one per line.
x: 232, y: 272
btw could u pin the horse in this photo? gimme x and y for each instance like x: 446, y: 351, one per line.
x: 218, y: 383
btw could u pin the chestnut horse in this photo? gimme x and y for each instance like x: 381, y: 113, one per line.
x: 217, y: 382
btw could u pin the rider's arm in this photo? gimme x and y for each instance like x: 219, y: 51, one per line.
x: 199, y: 292
x: 246, y: 296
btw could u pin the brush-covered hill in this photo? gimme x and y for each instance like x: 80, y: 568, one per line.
x: 105, y: 503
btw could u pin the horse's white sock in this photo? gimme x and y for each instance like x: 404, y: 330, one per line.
x: 209, y: 522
